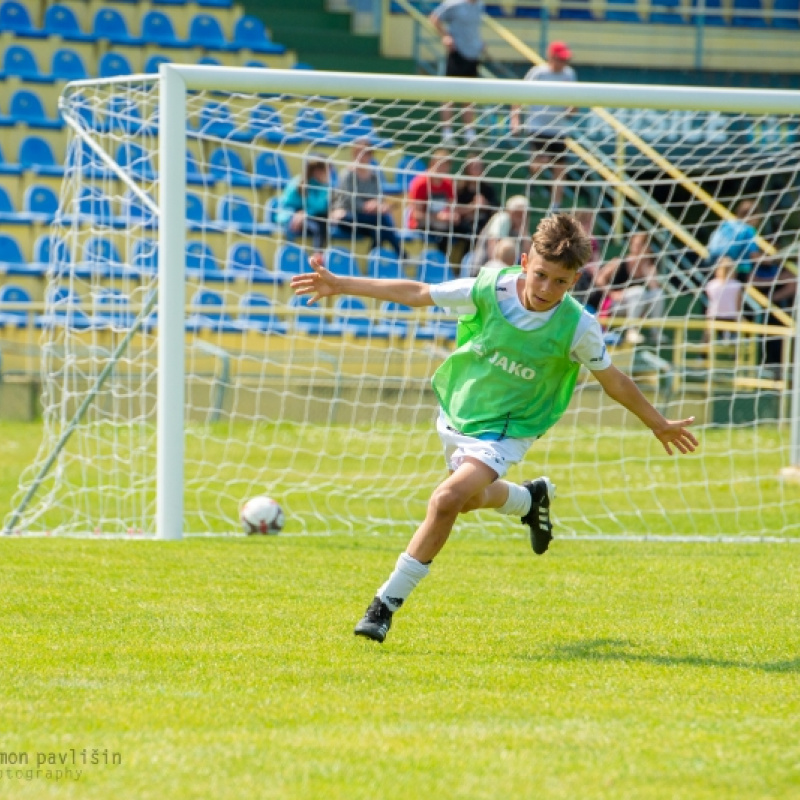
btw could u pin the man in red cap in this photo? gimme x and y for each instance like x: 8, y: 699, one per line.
x: 547, y: 126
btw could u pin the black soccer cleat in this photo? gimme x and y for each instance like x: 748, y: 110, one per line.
x: 543, y: 492
x: 376, y: 622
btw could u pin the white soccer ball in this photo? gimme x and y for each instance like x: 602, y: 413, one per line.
x: 261, y: 515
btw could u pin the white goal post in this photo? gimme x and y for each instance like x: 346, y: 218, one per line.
x: 776, y: 509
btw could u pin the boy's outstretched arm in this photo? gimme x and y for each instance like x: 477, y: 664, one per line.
x: 323, y: 283
x: 620, y: 387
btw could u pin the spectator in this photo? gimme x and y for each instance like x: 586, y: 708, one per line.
x: 629, y: 287
x: 303, y: 205
x: 459, y: 24
x: 512, y: 223
x: 357, y: 205
x: 476, y: 198
x: 505, y: 255
x: 432, y: 198
x: 724, y: 293
x: 586, y: 217
x: 547, y: 126
x: 736, y: 239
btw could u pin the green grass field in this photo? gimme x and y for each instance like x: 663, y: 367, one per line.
x: 227, y: 668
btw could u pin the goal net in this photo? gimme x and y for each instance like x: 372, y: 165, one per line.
x: 180, y: 376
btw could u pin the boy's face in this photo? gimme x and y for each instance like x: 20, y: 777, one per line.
x: 546, y: 282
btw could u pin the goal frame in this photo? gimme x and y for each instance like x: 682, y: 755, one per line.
x: 175, y: 81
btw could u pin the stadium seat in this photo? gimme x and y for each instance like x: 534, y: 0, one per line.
x: 753, y: 16
x: 255, y: 313
x: 226, y: 165
x: 136, y: 161
x: 311, y: 125
x: 170, y: 2
x: 100, y: 256
x: 20, y: 62
x: 7, y: 168
x: 110, y: 25
x: 352, y: 316
x: 8, y: 214
x: 341, y: 262
x: 291, y: 259
x: 14, y: 18
x: 195, y: 211
x: 384, y: 264
x: 314, y: 322
x: 579, y: 13
x: 17, y: 318
x: 154, y: 62
x: 201, y: 263
x: 211, y: 317
x: 249, y: 33
x: 786, y: 14
x: 123, y: 116
x: 433, y: 267
x: 667, y: 12
x: 235, y: 213
x: 36, y: 155
x: 616, y: 11
x: 93, y: 206
x: 40, y: 203
x: 205, y: 31
x: 436, y: 326
x: 144, y: 258
x: 67, y: 65
x: 216, y: 120
x: 157, y: 28
x: 26, y: 106
x: 711, y: 12
x: 245, y: 260
x: 193, y: 173
x: 63, y: 310
x: 60, y: 20
x: 113, y: 64
x: 356, y: 125
x: 392, y: 325
x: 134, y: 211
x: 408, y: 167
x: 81, y: 156
x: 10, y: 254
x: 215, y: 3
x: 112, y: 309
x: 47, y: 245
x: 209, y: 61
x: 265, y: 123
x: 272, y: 170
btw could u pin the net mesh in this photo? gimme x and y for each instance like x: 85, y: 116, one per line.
x: 330, y: 410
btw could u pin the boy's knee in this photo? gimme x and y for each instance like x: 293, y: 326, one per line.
x: 447, y: 502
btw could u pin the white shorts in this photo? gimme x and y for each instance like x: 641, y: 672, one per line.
x: 499, y: 455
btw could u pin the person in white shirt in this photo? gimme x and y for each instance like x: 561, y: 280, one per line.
x: 724, y: 293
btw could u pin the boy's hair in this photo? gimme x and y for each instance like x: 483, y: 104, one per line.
x: 560, y: 238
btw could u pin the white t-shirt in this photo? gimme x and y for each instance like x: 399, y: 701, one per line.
x: 588, y: 347
x: 549, y: 119
x: 724, y: 298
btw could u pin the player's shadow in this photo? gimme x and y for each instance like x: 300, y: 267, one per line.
x: 599, y: 650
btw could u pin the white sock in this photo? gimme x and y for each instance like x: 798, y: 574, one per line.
x: 408, y: 572
x: 519, y: 501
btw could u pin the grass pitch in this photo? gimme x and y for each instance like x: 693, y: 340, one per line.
x: 227, y: 668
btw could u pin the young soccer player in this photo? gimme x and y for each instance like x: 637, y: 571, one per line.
x: 521, y: 342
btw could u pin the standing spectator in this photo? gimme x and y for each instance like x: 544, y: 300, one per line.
x: 303, y: 205
x: 724, y: 293
x: 512, y: 223
x: 736, y: 239
x: 547, y: 126
x: 357, y: 205
x: 476, y: 198
x: 459, y: 24
x: 432, y: 199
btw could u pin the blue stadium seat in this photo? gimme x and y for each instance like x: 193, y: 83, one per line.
x: 144, y: 258
x: 215, y: 3
x: 211, y: 317
x: 265, y: 123
x: 110, y: 25
x: 711, y: 12
x: 60, y: 20
x: 194, y: 174
x: 154, y: 62
x: 11, y: 258
x: 157, y: 28
x: 352, y: 316
x: 81, y: 156
x: 246, y: 260
x: 8, y: 214
x: 19, y: 61
x: 135, y: 159
x: 272, y: 170
x: 113, y: 64
x: 235, y: 213
x: 26, y: 106
x: 100, y: 256
x: 13, y: 294
x: 134, y: 211
x: 67, y: 65
x: 216, y: 120
x: 195, y: 211
x: 310, y: 123
x: 40, y: 203
x: 291, y: 259
x: 312, y: 323
x: 47, y: 245
x: 93, y: 206
x: 226, y: 165
x: 209, y: 61
x: 112, y: 309
x: 666, y: 12
x: 390, y: 323
x: 63, y: 310
x: 123, y: 115
x: 249, y: 33
x: 14, y: 18
x: 576, y: 13
x: 437, y: 327
x: 384, y: 264
x: 753, y: 16
x: 356, y: 125
x: 170, y: 2
x: 617, y: 12
x: 201, y: 262
x: 786, y: 14
x: 433, y: 267
x: 341, y: 262
x: 205, y: 31
x: 255, y: 313
x: 7, y: 168
x: 408, y: 167
x: 36, y: 155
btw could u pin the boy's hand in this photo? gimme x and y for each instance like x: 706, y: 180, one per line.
x: 676, y: 434
x: 319, y: 283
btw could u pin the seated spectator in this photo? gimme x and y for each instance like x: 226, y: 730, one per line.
x: 357, y: 205
x: 432, y: 198
x: 303, y: 205
x: 629, y: 287
x: 724, y: 293
x: 736, y: 239
x: 476, y: 198
x: 512, y: 223
x: 505, y: 255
